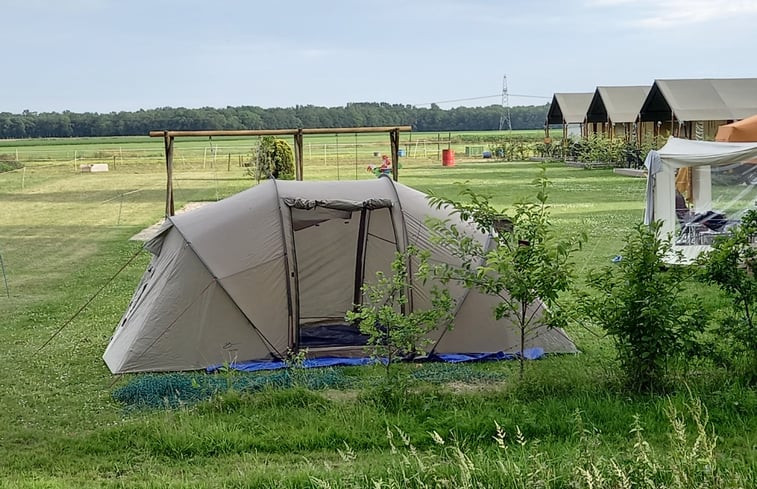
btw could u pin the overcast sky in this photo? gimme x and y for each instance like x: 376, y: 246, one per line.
x: 113, y: 55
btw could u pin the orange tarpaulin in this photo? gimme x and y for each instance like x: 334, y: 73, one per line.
x: 684, y: 183
x: 741, y: 131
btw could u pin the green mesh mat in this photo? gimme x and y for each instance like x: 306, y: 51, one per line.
x: 180, y: 389
x: 443, y: 373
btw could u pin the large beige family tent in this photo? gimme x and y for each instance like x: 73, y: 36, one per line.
x: 698, y: 190
x: 276, y: 267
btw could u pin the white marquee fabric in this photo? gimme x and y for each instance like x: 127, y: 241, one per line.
x: 701, y: 157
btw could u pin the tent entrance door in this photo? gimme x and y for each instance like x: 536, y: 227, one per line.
x: 335, y: 251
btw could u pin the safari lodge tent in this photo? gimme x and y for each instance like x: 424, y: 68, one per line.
x: 614, y: 111
x: 276, y: 267
x: 699, y: 190
x: 569, y: 110
x: 695, y: 108
x: 741, y: 131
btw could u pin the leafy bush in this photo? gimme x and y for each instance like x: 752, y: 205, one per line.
x: 492, y: 138
x: 731, y: 264
x: 515, y: 149
x: 273, y: 159
x: 8, y: 165
x: 640, y: 304
x: 598, y: 149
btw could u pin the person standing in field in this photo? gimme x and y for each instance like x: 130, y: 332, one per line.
x: 386, y: 165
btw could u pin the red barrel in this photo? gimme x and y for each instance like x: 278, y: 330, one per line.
x: 448, y: 157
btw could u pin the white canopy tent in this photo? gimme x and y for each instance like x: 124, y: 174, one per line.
x: 722, y: 182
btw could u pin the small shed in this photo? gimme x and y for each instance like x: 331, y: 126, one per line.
x: 695, y: 108
x: 614, y: 111
x: 569, y: 110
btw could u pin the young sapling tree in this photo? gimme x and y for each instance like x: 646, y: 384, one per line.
x: 393, y: 331
x: 525, y: 264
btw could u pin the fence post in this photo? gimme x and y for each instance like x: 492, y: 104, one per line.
x: 5, y: 278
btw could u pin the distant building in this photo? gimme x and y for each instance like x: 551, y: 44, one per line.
x: 614, y: 111
x: 569, y: 111
x: 695, y: 108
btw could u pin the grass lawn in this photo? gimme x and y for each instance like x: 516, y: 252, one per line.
x: 64, y: 235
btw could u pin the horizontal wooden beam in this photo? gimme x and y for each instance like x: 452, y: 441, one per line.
x: 279, y: 132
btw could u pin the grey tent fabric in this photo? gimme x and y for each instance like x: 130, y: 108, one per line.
x: 242, y: 279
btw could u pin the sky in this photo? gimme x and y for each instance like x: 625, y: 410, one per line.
x: 125, y: 55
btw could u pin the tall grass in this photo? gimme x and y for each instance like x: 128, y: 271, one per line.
x: 514, y: 461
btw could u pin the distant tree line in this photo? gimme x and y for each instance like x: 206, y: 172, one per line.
x: 71, y: 124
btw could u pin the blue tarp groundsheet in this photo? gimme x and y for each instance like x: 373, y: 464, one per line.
x: 528, y: 353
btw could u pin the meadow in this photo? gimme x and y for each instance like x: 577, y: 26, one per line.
x: 65, y: 236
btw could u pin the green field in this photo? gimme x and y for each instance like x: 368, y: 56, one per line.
x: 344, y: 151
x: 64, y: 234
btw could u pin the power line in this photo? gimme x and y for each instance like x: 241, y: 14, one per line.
x: 482, y: 98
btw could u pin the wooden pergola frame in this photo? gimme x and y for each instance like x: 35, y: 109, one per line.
x: 297, y: 134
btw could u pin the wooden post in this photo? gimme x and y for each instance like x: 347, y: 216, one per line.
x: 168, y: 140
x: 394, y: 140
x: 298, y: 166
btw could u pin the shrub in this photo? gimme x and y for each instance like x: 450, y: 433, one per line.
x: 731, y: 264
x: 640, y: 304
x: 273, y: 159
x: 515, y: 149
x: 6, y: 165
x: 599, y: 149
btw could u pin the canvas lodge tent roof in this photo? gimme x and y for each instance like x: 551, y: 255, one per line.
x: 277, y: 266
x: 616, y: 104
x: 569, y: 108
x: 744, y: 130
x: 723, y: 180
x: 700, y: 100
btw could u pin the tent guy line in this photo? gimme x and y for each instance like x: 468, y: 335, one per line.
x: 84, y: 306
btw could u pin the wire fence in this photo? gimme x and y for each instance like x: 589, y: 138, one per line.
x: 342, y: 158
